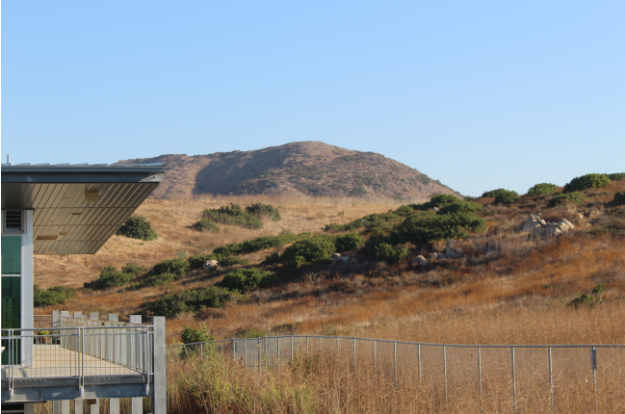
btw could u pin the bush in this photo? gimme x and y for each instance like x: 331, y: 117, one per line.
x: 206, y: 226
x: 179, y: 267
x: 233, y: 215
x: 133, y: 269
x: 349, y: 241
x: 137, y: 227
x: 316, y: 250
x: 427, y: 226
x: 403, y: 211
x: 460, y: 207
x: 619, y: 198
x: 575, y: 198
x: 255, y: 245
x: 389, y: 253
x: 502, y: 196
x: 194, y: 336
x: 197, y: 261
x: 110, y: 277
x: 616, y: 176
x: 542, y: 189
x: 251, y: 333
x: 383, y: 220
x: 242, y: 280
x: 587, y: 181
x: 232, y: 261
x: 261, y: 210
x: 159, y: 279
x: 191, y: 301
x: 53, y: 296
x: 333, y: 227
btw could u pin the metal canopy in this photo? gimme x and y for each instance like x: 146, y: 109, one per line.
x: 77, y: 208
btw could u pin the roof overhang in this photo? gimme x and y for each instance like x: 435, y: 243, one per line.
x: 77, y: 208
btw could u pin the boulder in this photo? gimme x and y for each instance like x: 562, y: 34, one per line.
x: 336, y: 256
x: 209, y: 265
x: 533, y: 223
x: 433, y: 256
x: 420, y: 261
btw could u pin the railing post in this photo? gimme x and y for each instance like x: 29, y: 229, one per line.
x: 445, y: 372
x: 593, y: 365
x: 550, y: 378
x: 81, y: 341
x: 479, y: 374
x: 419, y: 363
x: 160, y: 366
x: 513, y: 382
x: 395, y: 364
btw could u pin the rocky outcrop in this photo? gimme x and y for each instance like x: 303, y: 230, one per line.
x: 536, y: 226
x: 420, y: 261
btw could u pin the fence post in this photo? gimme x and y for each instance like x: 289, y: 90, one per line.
x: 395, y: 364
x: 375, y: 364
x: 292, y: 351
x: 338, y: 349
x: 266, y: 354
x: 278, y: 352
x: 550, y: 379
x: 513, y: 382
x: 445, y: 372
x: 306, y: 346
x: 260, y: 364
x: 234, y: 350
x: 419, y: 363
x: 201, y: 351
x: 354, y: 354
x: 160, y: 366
x: 593, y: 365
x: 245, y: 352
x: 479, y: 374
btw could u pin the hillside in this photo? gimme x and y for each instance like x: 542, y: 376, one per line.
x: 310, y: 168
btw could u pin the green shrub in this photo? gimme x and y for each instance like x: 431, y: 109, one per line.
x: 251, y: 333
x: 349, y: 241
x: 133, y: 269
x: 110, y: 277
x: 255, y: 245
x: 575, y: 198
x: 460, y: 207
x: 233, y: 215
x: 261, y: 210
x: 179, y: 267
x: 389, y: 253
x: 191, y: 301
x: 272, y: 258
x: 619, y: 198
x: 595, y: 298
x: 316, y: 250
x: 542, y: 189
x: 438, y: 200
x: 427, y: 226
x: 231, y: 261
x: 587, y: 181
x: 616, y: 176
x: 52, y: 296
x: 502, y: 196
x: 206, y: 226
x: 333, y: 227
x: 159, y: 279
x: 197, y: 261
x: 194, y: 336
x: 383, y: 220
x: 242, y: 280
x: 403, y: 211
x: 137, y: 227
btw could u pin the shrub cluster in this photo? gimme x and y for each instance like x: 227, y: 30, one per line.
x: 390, y: 253
x: 318, y: 249
x: 587, y: 181
x: 192, y: 300
x: 194, y: 336
x: 53, y: 296
x: 542, y: 189
x: 383, y: 220
x: 616, y: 176
x: 255, y: 245
x: 460, y: 207
x: 428, y: 226
x: 619, y: 198
x: 197, y: 261
x: 110, y: 277
x: 261, y: 211
x: 242, y: 280
x: 178, y: 267
x: 233, y: 215
x: 206, y: 226
x: 230, y: 261
x: 575, y: 198
x: 159, y: 279
x: 502, y: 196
x: 137, y: 227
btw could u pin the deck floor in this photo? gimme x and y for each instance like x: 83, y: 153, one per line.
x: 51, y: 361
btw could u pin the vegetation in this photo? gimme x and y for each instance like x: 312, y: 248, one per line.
x: 389, y: 253
x: 159, y: 279
x: 591, y: 300
x: 231, y: 261
x: 315, y: 250
x: 110, y: 277
x: 460, y: 207
x: 587, y: 181
x: 619, y: 198
x: 196, y: 335
x: 192, y: 300
x: 616, y: 176
x: 542, y: 189
x: 349, y: 241
x: 133, y: 269
x: 437, y: 201
x: 137, y: 227
x: 242, y: 280
x: 56, y: 295
x: 196, y: 262
x: 254, y: 245
x: 178, y: 267
x: 233, y: 215
x: 575, y: 198
x: 427, y: 226
x: 261, y: 211
x: 206, y: 226
x: 502, y: 196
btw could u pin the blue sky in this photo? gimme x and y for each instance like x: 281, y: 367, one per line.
x: 477, y: 94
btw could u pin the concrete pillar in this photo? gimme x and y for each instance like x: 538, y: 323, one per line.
x: 160, y: 366
x: 94, y: 406
x: 114, y: 406
x: 29, y: 408
x: 56, y: 319
x: 113, y: 317
x: 60, y: 407
x: 78, y: 407
x: 94, y: 316
x: 135, y: 319
x: 137, y: 405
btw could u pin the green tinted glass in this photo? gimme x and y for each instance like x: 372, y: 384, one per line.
x: 11, y: 255
x: 11, y: 300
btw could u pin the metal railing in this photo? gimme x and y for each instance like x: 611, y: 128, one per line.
x: 42, y: 321
x: 77, y: 352
x: 518, y: 376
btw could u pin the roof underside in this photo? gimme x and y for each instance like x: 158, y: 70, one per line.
x: 77, y: 209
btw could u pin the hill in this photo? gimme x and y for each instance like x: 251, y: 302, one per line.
x: 310, y: 168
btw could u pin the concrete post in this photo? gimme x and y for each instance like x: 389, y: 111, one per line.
x: 137, y: 405
x: 94, y: 316
x: 135, y: 319
x: 94, y: 406
x: 56, y: 407
x: 78, y: 407
x: 56, y: 319
x: 29, y: 408
x: 114, y: 406
x: 160, y: 366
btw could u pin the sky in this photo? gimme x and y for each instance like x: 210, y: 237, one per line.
x: 477, y: 94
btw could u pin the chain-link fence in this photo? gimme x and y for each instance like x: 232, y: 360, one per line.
x: 519, y: 378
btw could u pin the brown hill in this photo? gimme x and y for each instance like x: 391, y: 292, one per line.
x: 311, y: 168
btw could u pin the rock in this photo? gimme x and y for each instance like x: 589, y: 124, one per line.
x: 433, y: 256
x: 420, y: 261
x: 533, y: 223
x: 454, y: 249
x: 336, y: 256
x: 209, y: 265
x: 565, y: 222
x: 343, y: 259
x: 435, y: 209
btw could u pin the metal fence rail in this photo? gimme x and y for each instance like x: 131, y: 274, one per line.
x: 514, y: 377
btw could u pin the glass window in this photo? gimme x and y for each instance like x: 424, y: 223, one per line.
x: 11, y: 317
x: 11, y: 255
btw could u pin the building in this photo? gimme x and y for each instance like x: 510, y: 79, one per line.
x: 72, y: 209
